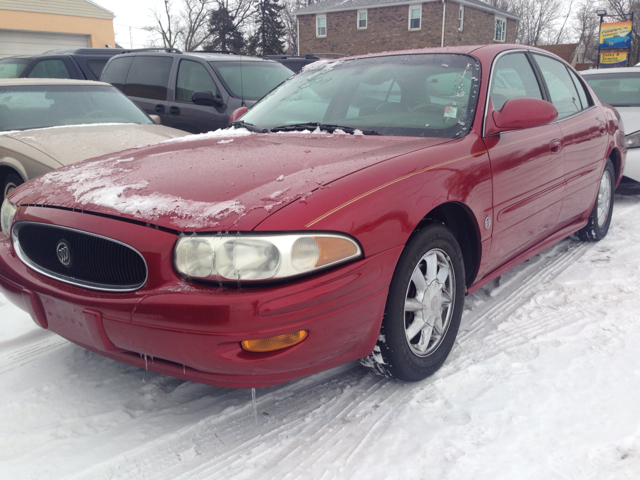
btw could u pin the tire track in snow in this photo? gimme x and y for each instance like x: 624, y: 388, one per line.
x: 29, y: 347
x: 296, y: 435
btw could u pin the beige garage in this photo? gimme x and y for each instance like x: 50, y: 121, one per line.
x: 30, y: 27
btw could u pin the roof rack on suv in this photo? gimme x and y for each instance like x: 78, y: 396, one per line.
x: 153, y: 49
x: 228, y: 52
x: 84, y: 51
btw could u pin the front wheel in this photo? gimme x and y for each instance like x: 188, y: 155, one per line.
x: 424, y: 307
x: 598, y: 224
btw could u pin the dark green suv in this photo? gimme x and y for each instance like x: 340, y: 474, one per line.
x: 193, y: 91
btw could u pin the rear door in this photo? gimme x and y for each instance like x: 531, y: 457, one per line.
x: 584, y: 132
x: 527, y: 165
x: 147, y: 84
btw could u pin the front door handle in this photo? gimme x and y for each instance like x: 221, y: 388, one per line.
x: 555, y: 146
x: 174, y: 110
x: 602, y: 128
x: 159, y: 108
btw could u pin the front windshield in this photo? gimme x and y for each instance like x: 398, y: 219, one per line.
x: 27, y: 107
x: 250, y: 80
x: 618, y: 90
x: 425, y: 95
x: 12, y: 67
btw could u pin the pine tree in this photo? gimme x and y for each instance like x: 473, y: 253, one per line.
x: 224, y: 31
x: 268, y: 38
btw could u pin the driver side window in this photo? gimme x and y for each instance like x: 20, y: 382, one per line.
x: 513, y: 77
x: 193, y: 77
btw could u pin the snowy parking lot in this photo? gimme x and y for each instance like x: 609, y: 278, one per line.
x: 543, y: 382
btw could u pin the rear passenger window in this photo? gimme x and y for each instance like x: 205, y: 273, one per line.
x: 50, y: 69
x: 193, y: 77
x: 582, y: 93
x: 148, y: 77
x: 564, y: 95
x: 513, y: 77
x: 96, y: 66
x: 116, y: 72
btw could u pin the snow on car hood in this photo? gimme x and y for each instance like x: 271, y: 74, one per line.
x: 216, y: 182
x: 73, y: 143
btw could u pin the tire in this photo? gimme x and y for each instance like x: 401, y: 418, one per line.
x: 598, y: 224
x: 428, y: 284
x: 11, y: 181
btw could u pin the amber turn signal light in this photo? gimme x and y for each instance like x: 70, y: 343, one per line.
x: 274, y: 343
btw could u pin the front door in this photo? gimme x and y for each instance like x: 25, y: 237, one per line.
x: 186, y: 115
x: 527, y: 166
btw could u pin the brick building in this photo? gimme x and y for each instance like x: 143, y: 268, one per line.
x: 355, y: 27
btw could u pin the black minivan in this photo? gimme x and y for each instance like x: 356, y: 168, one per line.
x: 193, y: 91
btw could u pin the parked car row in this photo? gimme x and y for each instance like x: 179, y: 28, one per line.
x: 345, y: 216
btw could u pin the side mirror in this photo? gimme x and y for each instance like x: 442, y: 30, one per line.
x: 519, y: 113
x: 207, y: 98
x: 237, y: 113
x: 156, y: 119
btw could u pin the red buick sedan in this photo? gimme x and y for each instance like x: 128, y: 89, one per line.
x: 345, y: 217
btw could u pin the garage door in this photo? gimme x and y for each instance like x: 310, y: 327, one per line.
x: 21, y: 42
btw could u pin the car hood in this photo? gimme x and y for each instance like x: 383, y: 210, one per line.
x: 630, y: 118
x: 212, y: 182
x: 73, y: 143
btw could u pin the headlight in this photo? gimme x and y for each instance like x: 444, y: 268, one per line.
x: 260, y: 257
x: 633, y: 140
x: 6, y: 216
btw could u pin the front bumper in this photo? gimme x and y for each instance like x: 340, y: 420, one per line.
x: 193, y: 331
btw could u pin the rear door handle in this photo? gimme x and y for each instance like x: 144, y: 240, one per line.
x: 159, y: 108
x: 555, y: 146
x: 602, y: 127
x: 174, y: 110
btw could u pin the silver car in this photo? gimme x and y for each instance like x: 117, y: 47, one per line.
x: 620, y: 87
x: 49, y: 123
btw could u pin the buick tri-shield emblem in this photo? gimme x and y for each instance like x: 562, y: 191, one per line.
x: 64, y: 253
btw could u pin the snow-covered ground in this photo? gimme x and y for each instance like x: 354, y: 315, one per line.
x: 543, y: 383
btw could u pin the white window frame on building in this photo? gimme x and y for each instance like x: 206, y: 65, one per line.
x: 500, y: 34
x: 413, y: 8
x: 359, y: 18
x: 318, y: 26
x: 460, y: 18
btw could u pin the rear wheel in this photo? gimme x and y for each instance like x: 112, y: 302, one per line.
x: 424, y: 307
x: 598, y: 224
x: 11, y: 181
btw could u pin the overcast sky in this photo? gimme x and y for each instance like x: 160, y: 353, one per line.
x: 131, y: 17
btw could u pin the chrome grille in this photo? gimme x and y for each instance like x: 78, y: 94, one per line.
x: 80, y: 258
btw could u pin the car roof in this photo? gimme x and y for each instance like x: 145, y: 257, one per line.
x: 13, y: 82
x: 92, y: 52
x: 604, y: 71
x: 486, y: 50
x: 207, y: 56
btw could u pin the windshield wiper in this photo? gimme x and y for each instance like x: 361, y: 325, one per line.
x: 249, y: 126
x: 296, y: 127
